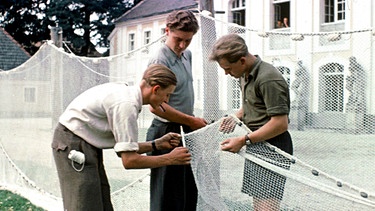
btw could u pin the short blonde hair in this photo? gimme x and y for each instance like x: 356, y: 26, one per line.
x: 158, y: 74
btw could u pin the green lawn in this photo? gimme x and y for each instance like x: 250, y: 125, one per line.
x: 14, y: 202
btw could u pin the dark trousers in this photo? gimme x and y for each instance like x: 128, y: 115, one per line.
x: 172, y: 188
x: 82, y: 189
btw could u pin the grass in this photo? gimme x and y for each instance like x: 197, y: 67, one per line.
x: 13, y: 202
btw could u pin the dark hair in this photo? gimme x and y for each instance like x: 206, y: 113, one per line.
x: 158, y: 74
x: 230, y: 47
x: 183, y: 20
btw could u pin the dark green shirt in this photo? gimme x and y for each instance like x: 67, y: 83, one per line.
x: 265, y: 94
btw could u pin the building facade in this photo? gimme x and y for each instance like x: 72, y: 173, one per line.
x: 322, y: 47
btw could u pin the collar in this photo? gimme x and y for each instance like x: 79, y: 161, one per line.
x: 254, y: 69
x: 172, y: 56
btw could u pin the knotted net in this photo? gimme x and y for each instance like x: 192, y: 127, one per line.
x: 332, y: 119
x: 223, y: 177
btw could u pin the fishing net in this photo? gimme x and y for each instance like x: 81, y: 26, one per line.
x: 332, y: 122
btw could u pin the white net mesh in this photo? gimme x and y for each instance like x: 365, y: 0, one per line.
x: 332, y: 120
x: 223, y: 180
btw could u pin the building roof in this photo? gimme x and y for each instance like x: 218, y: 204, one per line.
x: 11, y: 52
x: 147, y: 8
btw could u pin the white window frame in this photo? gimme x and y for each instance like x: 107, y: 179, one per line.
x: 342, y: 11
x: 131, y: 41
x: 337, y: 97
x: 238, y: 4
x: 237, y: 9
x: 277, y: 13
x: 336, y: 4
x: 146, y: 37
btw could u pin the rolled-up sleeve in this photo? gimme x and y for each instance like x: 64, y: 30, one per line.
x: 125, y: 126
x: 123, y: 147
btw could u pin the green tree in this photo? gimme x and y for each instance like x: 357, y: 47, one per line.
x: 28, y: 21
x: 85, y: 20
x: 25, y: 21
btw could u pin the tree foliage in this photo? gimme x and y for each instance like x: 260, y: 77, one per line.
x: 81, y: 21
x: 24, y: 20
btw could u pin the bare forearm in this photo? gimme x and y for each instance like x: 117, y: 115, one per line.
x: 176, y: 116
x: 172, y: 114
x: 145, y: 147
x: 134, y: 160
x: 141, y: 161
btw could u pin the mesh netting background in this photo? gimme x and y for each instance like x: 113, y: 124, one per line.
x: 221, y: 180
x: 331, y: 120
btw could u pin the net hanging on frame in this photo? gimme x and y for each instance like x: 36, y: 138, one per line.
x: 220, y: 176
x: 332, y: 120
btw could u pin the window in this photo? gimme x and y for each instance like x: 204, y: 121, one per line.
x: 334, y: 10
x: 131, y: 41
x: 147, y: 37
x: 281, y: 14
x: 328, y: 11
x: 238, y: 3
x: 162, y: 32
x: 238, y: 12
x: 29, y: 95
x: 332, y: 87
x: 340, y: 10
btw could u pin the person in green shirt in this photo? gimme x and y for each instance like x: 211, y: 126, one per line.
x: 265, y: 109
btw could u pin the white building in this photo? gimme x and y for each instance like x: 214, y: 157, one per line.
x: 321, y: 34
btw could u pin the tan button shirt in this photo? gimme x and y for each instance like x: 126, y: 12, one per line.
x: 106, y: 116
